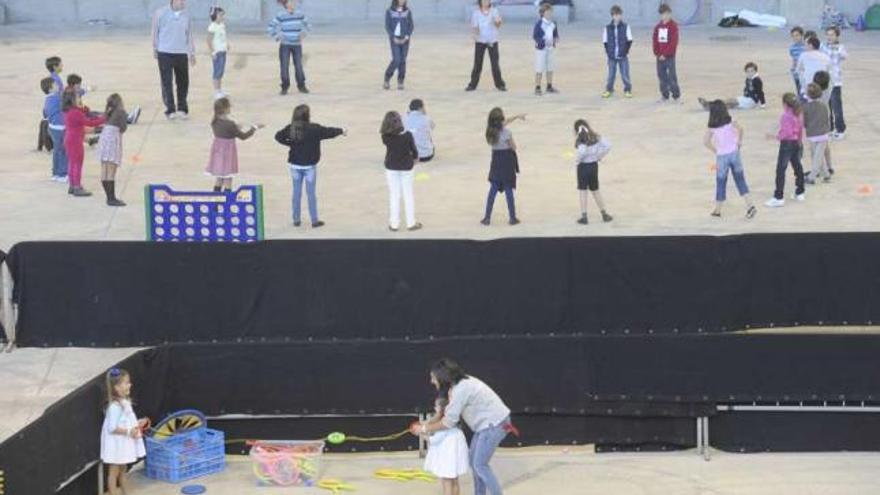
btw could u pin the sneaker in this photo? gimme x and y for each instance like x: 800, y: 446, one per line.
x: 678, y: 101
x: 386, y: 85
x: 775, y: 203
x: 830, y: 170
x: 317, y: 225
x: 538, y: 91
x: 182, y: 116
x: 606, y: 94
x: 485, y: 221
x: 219, y: 94
x: 470, y: 88
x: 115, y: 202
x: 627, y: 94
x: 552, y: 90
x: 283, y: 92
x: 135, y: 115
x: 838, y: 136
x: 751, y: 212
x: 799, y: 197
x: 393, y: 229
x: 811, y: 182
x: 297, y: 224
x: 400, y: 86
x: 55, y: 178
x: 663, y: 101
x: 716, y: 214
x: 61, y: 179
x: 304, y: 90
x: 79, y: 192
x: 501, y: 88
x: 583, y: 220
x: 171, y: 116
x: 826, y: 180
x: 606, y: 217
x: 513, y: 221
x: 417, y: 226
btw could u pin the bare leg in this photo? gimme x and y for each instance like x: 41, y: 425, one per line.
x: 456, y: 487
x: 748, y: 200
x: 538, y: 77
x: 583, y: 196
x: 105, y: 171
x: 217, y: 85
x: 227, y: 184
x: 598, y: 197
x: 828, y: 165
x: 549, y: 79
x: 448, y: 486
x: 113, y: 479
x: 123, y: 480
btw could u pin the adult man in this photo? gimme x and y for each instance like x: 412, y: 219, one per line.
x: 174, y: 48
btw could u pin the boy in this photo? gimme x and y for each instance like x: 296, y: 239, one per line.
x: 289, y: 28
x: 617, y: 38
x: 810, y: 62
x: 55, y: 118
x: 753, y: 92
x: 421, y: 126
x: 817, y: 127
x: 546, y: 35
x: 665, y: 42
x: 794, y: 51
x: 837, y: 53
x: 55, y: 67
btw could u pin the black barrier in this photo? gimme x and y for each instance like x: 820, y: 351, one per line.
x: 130, y: 293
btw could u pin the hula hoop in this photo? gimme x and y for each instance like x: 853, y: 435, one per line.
x: 177, y: 422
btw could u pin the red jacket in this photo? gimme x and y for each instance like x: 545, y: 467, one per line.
x: 75, y: 123
x: 665, y: 39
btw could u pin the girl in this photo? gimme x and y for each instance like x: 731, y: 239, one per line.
x: 304, y: 140
x: 399, y: 26
x: 724, y: 139
x: 110, y: 146
x: 505, y: 166
x: 447, y: 449
x: 223, y: 163
x: 400, y: 156
x: 485, y: 22
x: 590, y: 149
x: 122, y: 434
x: 218, y: 46
x: 75, y: 123
x: 791, y: 129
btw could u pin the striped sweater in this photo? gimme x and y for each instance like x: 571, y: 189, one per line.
x: 287, y: 28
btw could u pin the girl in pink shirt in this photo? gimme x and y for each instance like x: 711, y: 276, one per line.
x: 724, y: 139
x: 791, y: 129
x: 75, y: 123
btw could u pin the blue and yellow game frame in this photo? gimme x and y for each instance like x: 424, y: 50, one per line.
x: 200, y: 216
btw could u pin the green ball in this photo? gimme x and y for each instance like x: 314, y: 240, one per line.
x: 336, y: 438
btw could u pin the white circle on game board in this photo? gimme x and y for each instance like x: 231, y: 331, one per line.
x: 251, y: 232
x: 206, y: 231
x: 233, y: 208
x: 236, y: 232
x: 190, y: 231
x: 159, y: 220
x: 159, y: 208
x: 249, y: 208
x: 190, y: 220
x: 173, y: 208
x: 203, y: 208
x: 204, y: 220
x: 189, y: 208
x: 219, y: 208
x: 160, y: 231
x: 175, y: 220
x: 250, y: 220
x: 236, y: 220
x: 175, y: 231
x: 221, y: 221
x: 221, y: 231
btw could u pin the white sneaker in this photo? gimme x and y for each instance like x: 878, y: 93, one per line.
x: 219, y: 94
x: 838, y: 136
x: 182, y: 116
x: 775, y: 203
x: 55, y: 178
x: 799, y: 197
x: 171, y: 116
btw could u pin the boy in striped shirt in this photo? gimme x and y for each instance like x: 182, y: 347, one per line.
x: 289, y: 27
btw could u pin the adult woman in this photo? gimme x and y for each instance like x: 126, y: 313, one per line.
x: 399, y: 26
x: 481, y: 409
x: 400, y: 157
x: 485, y: 22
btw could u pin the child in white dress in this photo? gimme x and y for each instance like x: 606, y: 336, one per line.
x: 447, y: 450
x: 121, y: 436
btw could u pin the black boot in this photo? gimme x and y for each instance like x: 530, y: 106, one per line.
x: 110, y: 191
x: 216, y: 188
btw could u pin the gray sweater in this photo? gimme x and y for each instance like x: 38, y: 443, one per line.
x: 816, y: 119
x: 172, y: 32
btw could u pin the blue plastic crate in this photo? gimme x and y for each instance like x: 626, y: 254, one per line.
x: 186, y: 455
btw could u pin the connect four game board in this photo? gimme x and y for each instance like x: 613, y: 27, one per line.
x: 199, y: 216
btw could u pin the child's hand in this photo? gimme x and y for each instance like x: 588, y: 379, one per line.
x: 415, y: 428
x: 259, y: 126
x: 661, y: 57
x: 345, y: 132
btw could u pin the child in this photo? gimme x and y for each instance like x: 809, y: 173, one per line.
x: 665, y: 47
x: 219, y: 47
x: 837, y: 53
x: 304, y: 140
x: 421, y: 126
x: 546, y: 35
x: 75, y: 123
x: 505, y: 165
x: 753, y: 92
x: 789, y: 137
x: 817, y: 126
x: 795, y: 50
x: 399, y: 27
x: 617, y: 38
x: 590, y: 149
x: 447, y: 449
x: 55, y: 118
x: 223, y: 163
x: 485, y: 22
x: 823, y: 79
x: 55, y: 68
x: 810, y: 62
x: 724, y: 139
x: 400, y: 156
x: 122, y: 433
x: 289, y: 28
x: 110, y: 146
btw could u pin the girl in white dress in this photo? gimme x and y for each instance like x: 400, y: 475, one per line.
x: 122, y: 434
x: 447, y: 449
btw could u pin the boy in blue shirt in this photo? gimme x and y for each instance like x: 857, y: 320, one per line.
x: 794, y: 51
x: 55, y: 117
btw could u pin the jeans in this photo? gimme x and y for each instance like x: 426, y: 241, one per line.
x: 400, y: 183
x: 624, y: 74
x: 398, y: 61
x: 820, y: 165
x: 285, y: 53
x: 494, y: 56
x: 668, y: 78
x: 310, y: 176
x: 219, y: 66
x: 789, y: 152
x: 732, y: 163
x: 797, y: 82
x: 494, y: 189
x: 174, y: 67
x: 836, y: 107
x: 59, y: 154
x: 483, y: 445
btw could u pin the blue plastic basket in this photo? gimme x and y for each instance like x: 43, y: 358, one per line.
x: 186, y: 455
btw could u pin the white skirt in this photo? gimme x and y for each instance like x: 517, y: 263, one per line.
x: 447, y: 454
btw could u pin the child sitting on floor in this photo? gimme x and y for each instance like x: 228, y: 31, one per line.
x: 753, y: 92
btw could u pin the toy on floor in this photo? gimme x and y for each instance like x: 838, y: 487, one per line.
x: 335, y: 486
x: 204, y: 216
x: 193, y: 490
x: 287, y: 463
x: 404, y: 475
x: 181, y: 447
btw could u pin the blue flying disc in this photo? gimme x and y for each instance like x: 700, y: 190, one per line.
x: 193, y: 490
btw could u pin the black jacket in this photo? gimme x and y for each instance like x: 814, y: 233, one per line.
x: 308, y: 150
x: 401, y: 152
x: 754, y: 89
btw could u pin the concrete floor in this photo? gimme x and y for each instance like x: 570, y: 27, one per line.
x: 657, y: 180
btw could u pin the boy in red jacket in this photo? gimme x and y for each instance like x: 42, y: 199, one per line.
x: 665, y: 45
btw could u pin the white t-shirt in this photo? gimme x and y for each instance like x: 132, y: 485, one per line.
x: 219, y: 42
x: 485, y: 23
x: 809, y: 64
x: 549, y: 28
x: 420, y: 125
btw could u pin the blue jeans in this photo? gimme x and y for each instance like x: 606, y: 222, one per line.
x: 285, y: 53
x: 310, y: 176
x: 731, y: 163
x: 494, y: 189
x: 398, y: 61
x: 59, y: 154
x: 836, y: 107
x: 219, y: 61
x: 483, y: 445
x: 624, y: 74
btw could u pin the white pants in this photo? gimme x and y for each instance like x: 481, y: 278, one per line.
x: 545, y: 60
x: 400, y: 182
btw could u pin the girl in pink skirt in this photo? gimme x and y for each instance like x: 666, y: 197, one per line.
x: 223, y: 164
x: 110, y: 146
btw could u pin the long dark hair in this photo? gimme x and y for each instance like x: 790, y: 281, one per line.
x: 585, y: 134
x: 301, y: 117
x: 718, y: 114
x: 114, y: 102
x: 448, y: 373
x: 494, y: 125
x: 790, y: 100
x: 391, y: 124
x: 222, y: 107
x: 68, y: 98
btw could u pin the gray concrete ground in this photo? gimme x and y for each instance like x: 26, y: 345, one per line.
x: 657, y: 179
